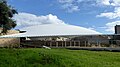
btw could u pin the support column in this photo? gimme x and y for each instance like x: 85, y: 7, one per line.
x: 56, y: 43
x: 74, y: 43
x: 85, y: 43
x: 44, y: 43
x: 70, y: 43
x: 65, y: 43
x: 62, y: 43
x: 50, y: 44
x: 79, y: 43
x: 97, y: 42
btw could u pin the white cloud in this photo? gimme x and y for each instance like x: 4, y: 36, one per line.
x: 116, y: 3
x: 91, y: 28
x: 26, y: 19
x: 74, y: 5
x: 111, y: 15
x: 103, y: 2
x: 65, y: 1
x: 69, y: 5
x: 110, y: 26
x: 108, y: 2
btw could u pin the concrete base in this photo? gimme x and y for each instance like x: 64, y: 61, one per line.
x: 116, y: 49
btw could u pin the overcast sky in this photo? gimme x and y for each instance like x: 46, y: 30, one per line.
x: 98, y: 15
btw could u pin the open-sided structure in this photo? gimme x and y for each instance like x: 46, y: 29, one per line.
x: 64, y: 35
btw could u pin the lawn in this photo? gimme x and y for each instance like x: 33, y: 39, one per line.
x: 38, y: 57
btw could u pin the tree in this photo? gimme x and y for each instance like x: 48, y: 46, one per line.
x: 6, y: 14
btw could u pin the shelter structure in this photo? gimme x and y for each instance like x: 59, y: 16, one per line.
x: 64, y: 35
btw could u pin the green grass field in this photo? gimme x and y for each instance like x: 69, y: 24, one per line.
x: 38, y: 57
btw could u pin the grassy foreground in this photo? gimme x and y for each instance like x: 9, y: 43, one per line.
x: 37, y: 57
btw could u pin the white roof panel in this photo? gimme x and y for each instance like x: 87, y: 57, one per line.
x: 54, y: 30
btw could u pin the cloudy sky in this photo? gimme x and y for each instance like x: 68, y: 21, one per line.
x: 98, y: 15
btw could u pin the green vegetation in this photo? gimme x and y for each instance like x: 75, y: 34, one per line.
x: 6, y: 14
x: 38, y: 57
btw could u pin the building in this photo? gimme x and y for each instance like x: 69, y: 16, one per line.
x: 117, y: 29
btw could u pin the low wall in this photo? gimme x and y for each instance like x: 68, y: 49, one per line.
x: 9, y: 42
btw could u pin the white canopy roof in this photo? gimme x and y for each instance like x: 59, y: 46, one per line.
x: 53, y: 30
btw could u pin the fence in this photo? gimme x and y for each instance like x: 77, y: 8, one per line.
x: 9, y: 42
